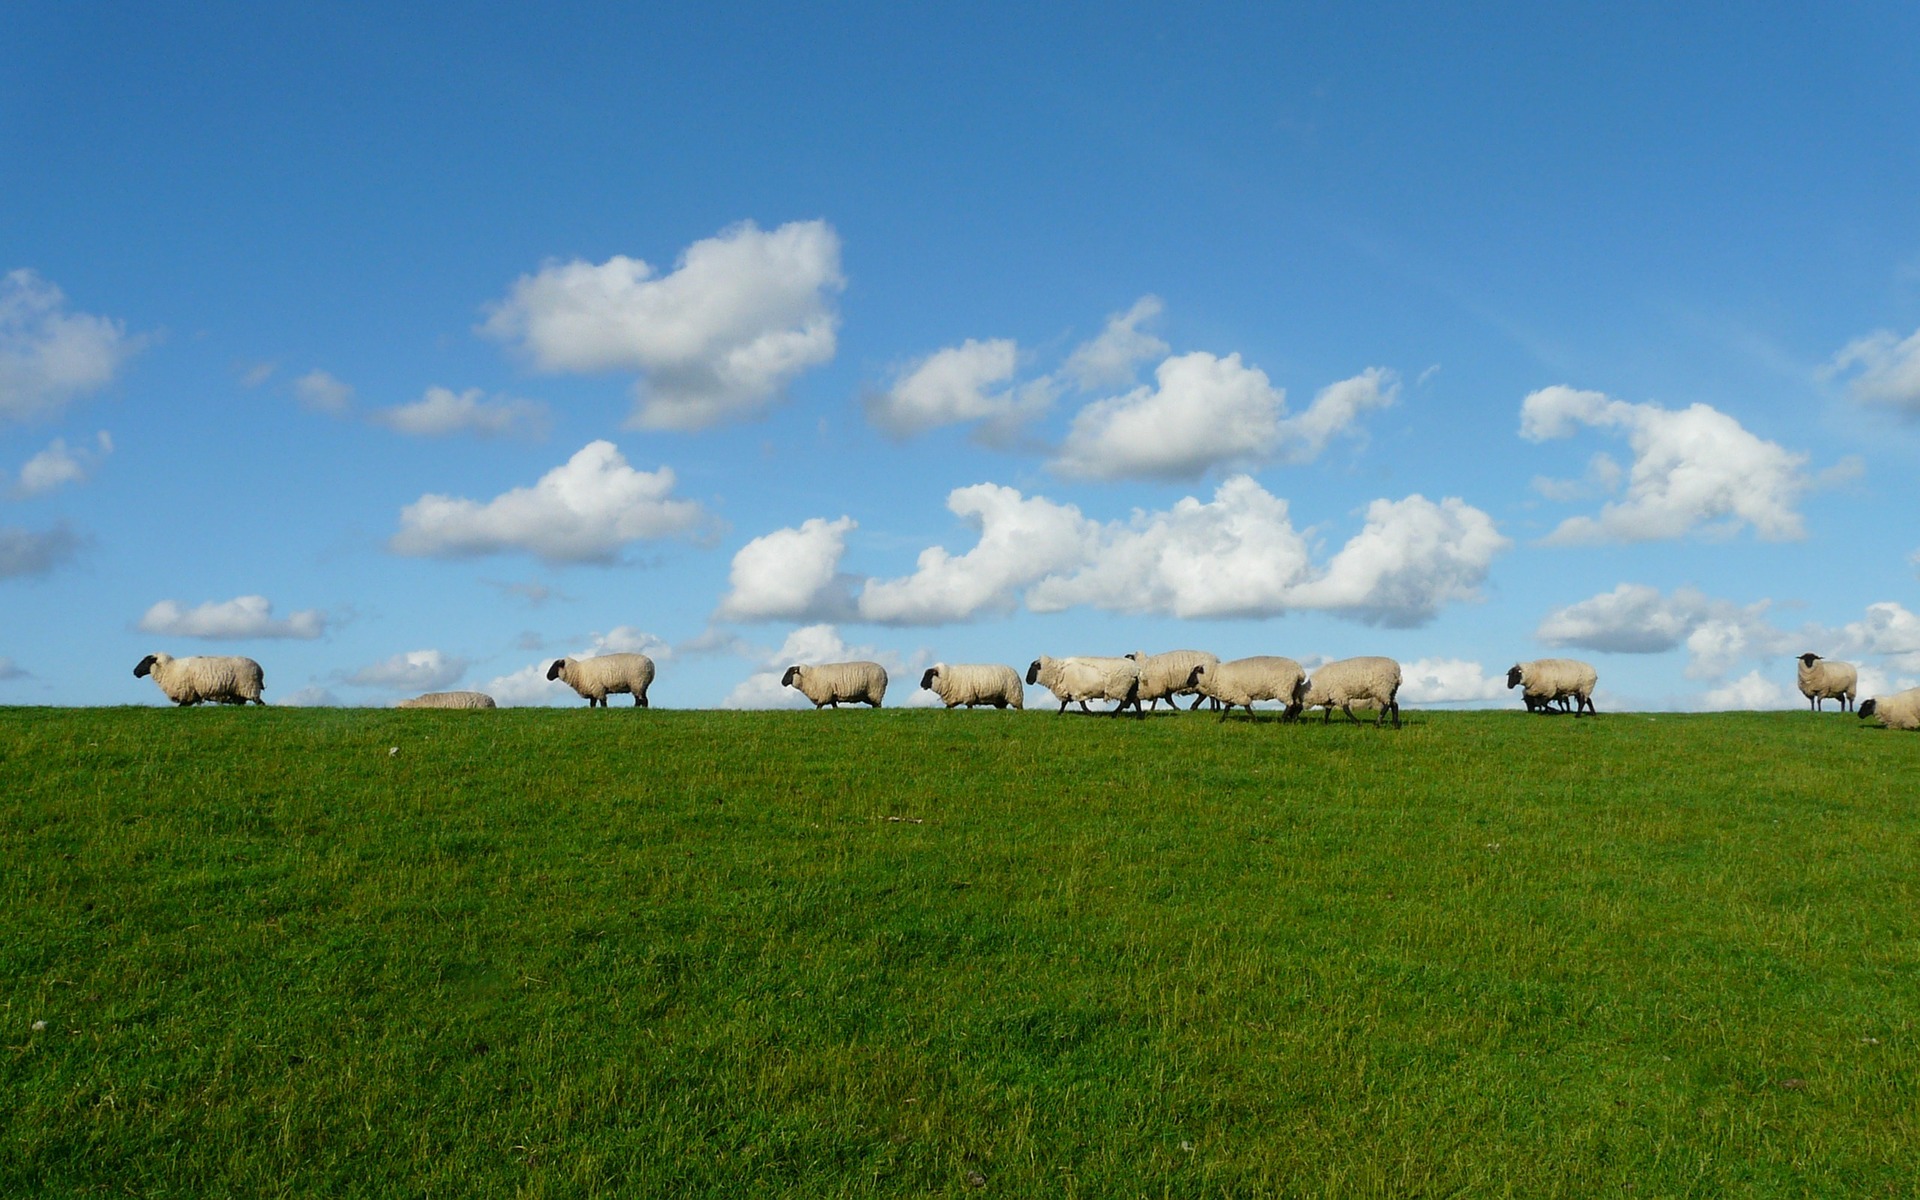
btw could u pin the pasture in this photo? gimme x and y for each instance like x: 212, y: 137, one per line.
x: 618, y: 953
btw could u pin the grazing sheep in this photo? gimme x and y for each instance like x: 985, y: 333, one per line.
x: 1240, y: 682
x: 975, y: 683
x: 1825, y: 679
x: 449, y: 700
x: 1089, y: 678
x: 830, y: 683
x: 1164, y: 676
x: 221, y: 678
x: 1351, y: 681
x: 1546, y: 680
x: 610, y: 674
x: 1898, y: 711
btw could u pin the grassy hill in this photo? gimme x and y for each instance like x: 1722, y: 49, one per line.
x: 621, y: 953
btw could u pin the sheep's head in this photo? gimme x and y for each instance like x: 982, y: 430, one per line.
x: 926, y: 680
x: 145, y: 666
x: 1033, y: 672
x: 559, y: 664
x: 1867, y: 708
x: 1513, y: 676
x: 1193, y: 676
x: 1809, y: 658
x: 792, y: 674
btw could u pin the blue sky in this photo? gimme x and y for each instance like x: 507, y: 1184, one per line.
x: 404, y: 352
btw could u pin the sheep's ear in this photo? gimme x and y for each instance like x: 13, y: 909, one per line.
x: 146, y: 665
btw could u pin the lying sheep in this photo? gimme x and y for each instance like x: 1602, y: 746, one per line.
x: 1824, y: 679
x: 830, y: 683
x: 1546, y: 680
x: 1089, y: 678
x: 975, y: 683
x: 609, y: 674
x: 1243, y: 680
x: 1164, y: 676
x: 449, y: 700
x: 1898, y: 711
x: 220, y: 678
x: 1352, y: 681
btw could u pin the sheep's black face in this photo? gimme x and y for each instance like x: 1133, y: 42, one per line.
x: 1513, y: 677
x: 553, y: 672
x: 145, y: 667
x: 926, y: 680
x: 792, y: 674
x: 1807, y: 660
x: 1867, y: 707
x: 1033, y: 672
x: 1193, y: 676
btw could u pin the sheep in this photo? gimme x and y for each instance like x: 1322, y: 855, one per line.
x: 597, y: 678
x: 830, y: 683
x: 1089, y: 678
x: 1546, y: 680
x: 1352, y: 681
x: 975, y: 683
x: 449, y: 700
x: 1825, y: 679
x: 1898, y: 711
x: 221, y: 678
x: 1164, y: 676
x: 1243, y: 680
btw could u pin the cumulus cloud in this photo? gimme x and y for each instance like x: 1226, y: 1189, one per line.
x: 971, y: 382
x: 822, y: 643
x: 240, y: 617
x: 585, y: 510
x: 1205, y: 413
x: 1751, y: 691
x: 1693, y: 469
x: 59, y: 465
x: 411, y: 671
x: 741, y: 315
x: 1449, y: 681
x: 1886, y: 370
x: 1111, y: 359
x: 1236, y: 555
x: 443, y: 411
x: 49, y: 356
x: 1719, y: 635
x: 320, y: 392
x: 791, y: 574
x: 25, y: 552
x: 313, y: 696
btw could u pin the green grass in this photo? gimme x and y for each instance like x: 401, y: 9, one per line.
x: 906, y: 953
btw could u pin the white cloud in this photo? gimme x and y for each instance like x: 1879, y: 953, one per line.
x: 241, y: 617
x: 322, y: 393
x: 1449, y: 681
x: 411, y: 671
x: 1111, y: 359
x: 971, y: 382
x: 59, y: 465
x: 1236, y: 555
x: 443, y: 411
x: 1751, y: 691
x: 1888, y: 629
x: 791, y: 574
x: 1693, y: 469
x: 627, y: 639
x: 1205, y: 413
x: 585, y: 510
x: 252, y: 375
x: 1021, y: 540
x: 49, y: 356
x: 313, y: 696
x: 1889, y: 370
x: 818, y: 644
x: 741, y: 315
x: 25, y: 552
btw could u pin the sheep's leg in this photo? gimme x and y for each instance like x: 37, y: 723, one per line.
x: 1396, y: 714
x: 1346, y: 708
x: 1063, y: 707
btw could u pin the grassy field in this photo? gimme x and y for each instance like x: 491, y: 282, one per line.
x: 559, y: 953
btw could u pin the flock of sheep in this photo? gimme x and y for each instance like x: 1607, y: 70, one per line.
x: 1138, y: 680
